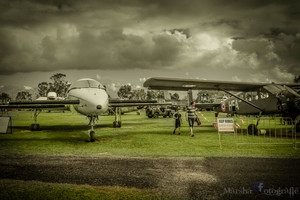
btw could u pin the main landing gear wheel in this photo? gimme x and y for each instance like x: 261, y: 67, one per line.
x: 252, y: 129
x: 117, y: 124
x: 92, y: 136
x: 34, y: 127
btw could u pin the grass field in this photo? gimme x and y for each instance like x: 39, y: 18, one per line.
x: 64, y: 134
x: 15, y: 189
x: 67, y: 134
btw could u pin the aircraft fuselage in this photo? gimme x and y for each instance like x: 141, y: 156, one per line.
x: 266, y: 103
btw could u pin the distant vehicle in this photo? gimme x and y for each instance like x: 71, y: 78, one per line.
x: 155, y: 112
x: 50, y: 96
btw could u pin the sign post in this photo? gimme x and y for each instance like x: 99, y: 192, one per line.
x: 225, y: 125
x: 5, y: 122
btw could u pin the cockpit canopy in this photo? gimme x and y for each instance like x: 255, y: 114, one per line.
x: 86, y: 83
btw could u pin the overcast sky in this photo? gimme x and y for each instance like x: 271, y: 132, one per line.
x: 126, y: 41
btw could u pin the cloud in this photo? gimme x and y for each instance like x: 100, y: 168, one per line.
x: 142, y: 79
x: 106, y: 50
x: 27, y: 87
x: 98, y: 77
x: 157, y: 35
x: 236, y: 78
x: 113, y: 87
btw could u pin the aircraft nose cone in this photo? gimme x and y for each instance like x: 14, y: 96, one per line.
x: 99, y: 107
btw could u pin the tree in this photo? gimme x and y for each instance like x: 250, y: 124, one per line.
x: 43, y: 89
x: 23, y: 96
x: 125, y: 91
x: 175, y: 96
x: 4, y: 98
x: 59, y: 84
x: 138, y: 94
x: 151, y: 95
x: 297, y: 79
x: 161, y: 95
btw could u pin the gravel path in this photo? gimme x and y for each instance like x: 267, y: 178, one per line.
x: 186, y: 178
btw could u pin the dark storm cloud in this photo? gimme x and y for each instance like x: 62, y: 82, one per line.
x: 149, y: 34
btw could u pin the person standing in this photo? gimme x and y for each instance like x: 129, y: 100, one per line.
x: 191, y: 116
x: 178, y: 120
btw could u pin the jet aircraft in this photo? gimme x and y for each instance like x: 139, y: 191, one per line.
x: 252, y: 99
x: 88, y: 97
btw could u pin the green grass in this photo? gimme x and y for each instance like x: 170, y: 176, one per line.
x: 67, y: 134
x: 15, y: 189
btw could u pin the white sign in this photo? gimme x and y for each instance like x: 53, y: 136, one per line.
x: 225, y: 125
x: 4, y: 122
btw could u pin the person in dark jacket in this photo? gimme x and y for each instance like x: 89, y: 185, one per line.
x: 178, y: 120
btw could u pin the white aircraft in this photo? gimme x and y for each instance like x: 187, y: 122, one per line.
x: 88, y: 97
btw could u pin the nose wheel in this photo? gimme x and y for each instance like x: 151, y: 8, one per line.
x: 92, y: 136
x: 92, y: 123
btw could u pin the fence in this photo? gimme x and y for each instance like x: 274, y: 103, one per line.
x: 297, y: 133
x: 265, y: 130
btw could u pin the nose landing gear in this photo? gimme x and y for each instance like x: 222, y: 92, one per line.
x: 92, y: 123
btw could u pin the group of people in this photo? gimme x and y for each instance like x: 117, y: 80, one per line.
x: 190, y: 116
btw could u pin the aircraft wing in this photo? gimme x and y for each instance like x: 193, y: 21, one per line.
x: 134, y: 103
x: 39, y: 104
x: 195, y: 84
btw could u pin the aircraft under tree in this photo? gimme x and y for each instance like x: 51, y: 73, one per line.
x: 58, y: 85
x: 43, y: 89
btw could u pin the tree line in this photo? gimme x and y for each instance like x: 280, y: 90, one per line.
x: 126, y: 92
x: 60, y: 86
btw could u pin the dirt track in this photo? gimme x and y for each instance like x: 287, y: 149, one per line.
x: 199, y: 178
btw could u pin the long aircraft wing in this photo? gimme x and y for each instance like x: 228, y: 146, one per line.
x: 39, y: 104
x: 134, y: 103
x: 158, y: 83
